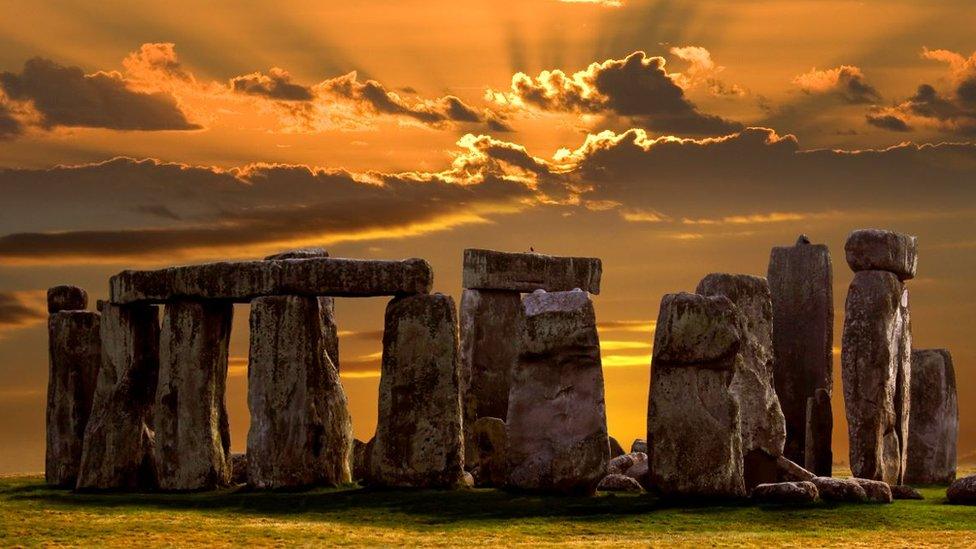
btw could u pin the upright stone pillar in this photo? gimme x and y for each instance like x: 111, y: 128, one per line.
x: 418, y: 441
x: 491, y: 328
x: 819, y: 458
x: 118, y: 447
x: 761, y: 420
x: 74, y: 347
x: 801, y: 287
x: 190, y: 416
x: 694, y: 440
x: 876, y: 353
x: 557, y: 420
x: 301, y: 432
x: 933, y: 426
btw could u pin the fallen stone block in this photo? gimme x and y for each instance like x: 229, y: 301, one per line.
x: 785, y: 493
x: 962, y: 491
x: 66, y: 298
x: 877, y: 491
x: 840, y: 489
x: 557, y: 423
x: 615, y: 448
x: 619, y: 483
x: 903, y: 491
x: 74, y: 351
x: 243, y: 281
x: 933, y: 426
x: 880, y: 250
x: 639, y: 445
x: 791, y: 472
x: 621, y: 464
x: 527, y: 272
x: 418, y: 441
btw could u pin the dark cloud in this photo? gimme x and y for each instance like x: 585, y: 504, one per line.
x: 10, y: 127
x: 637, y: 87
x: 275, y: 85
x: 846, y: 82
x: 66, y: 96
x: 16, y: 312
x: 888, y: 122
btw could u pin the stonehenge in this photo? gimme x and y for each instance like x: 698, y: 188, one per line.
x: 876, y: 353
x: 506, y: 391
x: 933, y: 425
x: 801, y: 287
x: 557, y: 424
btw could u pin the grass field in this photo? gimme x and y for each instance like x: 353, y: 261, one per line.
x: 32, y: 514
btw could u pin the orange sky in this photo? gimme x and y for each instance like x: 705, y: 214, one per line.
x: 671, y: 139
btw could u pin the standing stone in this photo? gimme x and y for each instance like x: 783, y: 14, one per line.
x: 490, y: 447
x: 801, y: 287
x: 301, y: 432
x: 66, y: 298
x: 819, y: 458
x: 74, y: 347
x: 118, y: 447
x: 693, y: 429
x: 557, y: 421
x: 491, y: 325
x: 934, y: 423
x: 190, y: 416
x: 876, y: 365
x: 762, y: 424
x: 418, y: 439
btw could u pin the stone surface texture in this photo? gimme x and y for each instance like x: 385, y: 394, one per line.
x: 243, y: 281
x: 619, y: 483
x: 962, y: 491
x: 615, y: 448
x: 489, y: 440
x: 301, y: 432
x: 787, y: 471
x: 840, y: 489
x: 491, y: 330
x: 801, y: 287
x: 527, y: 272
x: 903, y: 491
x: 876, y: 360
x: 639, y: 445
x: 66, y: 298
x: 418, y: 432
x: 189, y: 414
x: 74, y: 352
x: 118, y: 448
x: 693, y: 428
x: 933, y: 426
x: 557, y: 424
x: 880, y: 250
x: 785, y: 492
x: 762, y: 425
x: 818, y: 456
x: 877, y: 491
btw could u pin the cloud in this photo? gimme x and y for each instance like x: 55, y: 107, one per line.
x: 275, y: 85
x: 950, y: 108
x: 636, y: 87
x: 10, y: 127
x: 66, y: 96
x: 156, y: 62
x: 846, y: 82
x: 703, y: 72
x: 20, y: 309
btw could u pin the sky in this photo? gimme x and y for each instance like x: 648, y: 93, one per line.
x: 669, y: 138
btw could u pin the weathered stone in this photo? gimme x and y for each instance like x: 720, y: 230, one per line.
x: 933, y: 426
x: 840, y: 489
x: 527, y: 272
x: 557, y: 422
x: 74, y: 347
x: 693, y: 433
x: 418, y: 431
x: 491, y: 328
x: 877, y: 491
x: 358, y: 461
x: 300, y: 253
x: 879, y: 250
x: 903, y: 491
x: 489, y: 440
x: 639, y: 445
x: 619, y: 483
x: 118, y: 447
x: 962, y: 491
x: 640, y: 472
x: 467, y: 480
x: 189, y: 415
x: 66, y: 298
x: 246, y: 280
x: 875, y: 362
x: 621, y: 464
x: 615, y: 448
x: 801, y: 287
x: 787, y: 471
x: 762, y: 426
x: 238, y: 468
x: 818, y: 457
x: 301, y: 432
x: 785, y: 492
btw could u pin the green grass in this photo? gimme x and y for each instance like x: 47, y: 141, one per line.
x: 32, y: 514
